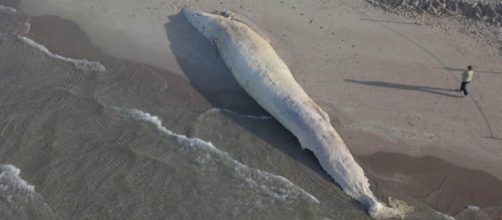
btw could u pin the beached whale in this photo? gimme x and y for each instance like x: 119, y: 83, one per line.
x: 265, y: 77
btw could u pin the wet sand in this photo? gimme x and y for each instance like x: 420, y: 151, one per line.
x: 443, y: 186
x: 66, y: 38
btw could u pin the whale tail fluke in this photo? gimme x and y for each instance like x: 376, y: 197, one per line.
x: 256, y: 66
x: 396, y: 209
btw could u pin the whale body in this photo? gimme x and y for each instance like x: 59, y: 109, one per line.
x: 265, y: 77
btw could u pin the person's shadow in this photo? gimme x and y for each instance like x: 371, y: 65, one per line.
x: 208, y: 74
x: 427, y: 89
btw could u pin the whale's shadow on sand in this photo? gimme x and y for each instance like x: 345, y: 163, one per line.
x: 205, y: 70
x: 208, y: 74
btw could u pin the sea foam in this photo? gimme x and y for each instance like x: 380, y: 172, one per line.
x: 18, y: 199
x: 81, y: 64
x: 8, y: 9
x: 473, y: 208
x: 11, y: 183
x: 13, y: 22
x: 260, y: 180
x: 445, y: 216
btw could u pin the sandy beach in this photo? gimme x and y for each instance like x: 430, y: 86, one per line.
x: 388, y: 84
x: 342, y: 55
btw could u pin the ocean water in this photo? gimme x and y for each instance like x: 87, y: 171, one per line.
x: 94, y: 159
x: 82, y: 139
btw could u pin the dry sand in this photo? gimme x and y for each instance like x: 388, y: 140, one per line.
x: 388, y: 83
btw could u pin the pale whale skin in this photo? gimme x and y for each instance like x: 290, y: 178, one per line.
x: 265, y: 77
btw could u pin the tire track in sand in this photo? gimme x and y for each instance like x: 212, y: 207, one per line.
x: 437, y: 59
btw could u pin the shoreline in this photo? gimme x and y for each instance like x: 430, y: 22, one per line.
x: 379, y: 167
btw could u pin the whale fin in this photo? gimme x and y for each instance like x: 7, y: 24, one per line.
x: 317, y: 109
x: 323, y: 113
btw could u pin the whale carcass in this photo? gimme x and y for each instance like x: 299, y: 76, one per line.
x: 265, y: 77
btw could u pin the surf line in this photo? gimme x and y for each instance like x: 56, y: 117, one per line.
x: 81, y: 64
x: 265, y: 77
x: 252, y: 176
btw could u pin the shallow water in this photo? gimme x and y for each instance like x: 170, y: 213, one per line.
x: 93, y: 159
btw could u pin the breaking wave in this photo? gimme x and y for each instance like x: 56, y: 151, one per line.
x: 272, y: 185
x: 81, y: 64
x: 18, y: 199
x: 10, y: 182
x: 12, y: 187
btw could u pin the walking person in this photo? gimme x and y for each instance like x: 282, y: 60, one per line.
x: 466, y: 79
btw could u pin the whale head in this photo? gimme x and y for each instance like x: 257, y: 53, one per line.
x: 209, y: 25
